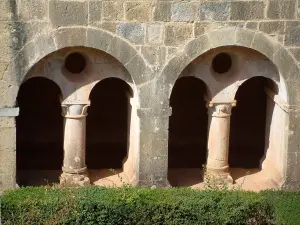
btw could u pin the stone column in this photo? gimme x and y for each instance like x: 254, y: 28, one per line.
x: 74, y: 168
x: 218, y: 139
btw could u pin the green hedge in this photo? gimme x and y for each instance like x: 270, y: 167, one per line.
x: 93, y: 205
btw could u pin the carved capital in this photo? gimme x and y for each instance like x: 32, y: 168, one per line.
x: 221, y: 109
x: 75, y: 110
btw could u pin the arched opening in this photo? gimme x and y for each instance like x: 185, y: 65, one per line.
x: 39, y: 133
x: 187, y: 132
x: 108, y: 128
x: 253, y: 139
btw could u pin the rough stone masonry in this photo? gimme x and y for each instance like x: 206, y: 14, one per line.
x: 150, y: 45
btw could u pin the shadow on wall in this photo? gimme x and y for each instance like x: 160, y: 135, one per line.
x: 187, y: 131
x: 249, y: 133
x: 108, y: 124
x: 39, y: 128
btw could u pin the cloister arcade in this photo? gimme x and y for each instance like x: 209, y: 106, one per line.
x: 98, y: 114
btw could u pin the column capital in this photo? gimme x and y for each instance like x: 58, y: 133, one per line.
x: 75, y: 110
x: 221, y: 109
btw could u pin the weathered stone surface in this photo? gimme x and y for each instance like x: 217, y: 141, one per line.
x: 155, y: 34
x: 98, y: 40
x: 162, y: 11
x: 95, y: 8
x: 70, y: 37
x: 3, y: 67
x: 252, y: 25
x: 279, y: 9
x: 113, y: 10
x: 244, y: 38
x: 264, y: 45
x: 196, y: 47
x: 274, y: 27
x: 138, y: 11
x: 184, y: 11
x: 247, y: 10
x: 68, y: 13
x: 8, y: 10
x: 7, y: 158
x: 203, y: 27
x: 33, y: 10
x: 296, y: 53
x: 154, y: 55
x: 135, y: 33
x: 215, y: 11
x: 171, y: 51
x: 222, y: 37
x: 177, y: 34
x: 292, y: 37
x: 109, y: 26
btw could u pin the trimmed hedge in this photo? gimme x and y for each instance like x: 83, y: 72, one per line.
x: 94, y: 205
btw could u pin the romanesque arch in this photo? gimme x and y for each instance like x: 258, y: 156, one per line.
x: 33, y: 57
x: 287, y: 68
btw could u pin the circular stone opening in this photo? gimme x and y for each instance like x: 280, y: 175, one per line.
x: 75, y: 62
x: 222, y: 63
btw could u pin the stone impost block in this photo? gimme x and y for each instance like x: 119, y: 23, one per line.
x: 177, y: 34
x: 138, y: 11
x: 113, y: 10
x: 162, y: 11
x: 279, y: 9
x: 32, y: 10
x: 95, y: 8
x: 215, y: 11
x: 241, y: 10
x: 133, y: 32
x: 274, y: 27
x: 68, y: 13
x: 184, y: 11
x: 292, y: 37
x: 155, y: 34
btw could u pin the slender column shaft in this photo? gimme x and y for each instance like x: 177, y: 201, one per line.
x: 218, y: 138
x: 74, y: 168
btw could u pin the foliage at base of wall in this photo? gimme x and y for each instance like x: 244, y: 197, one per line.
x: 113, y: 206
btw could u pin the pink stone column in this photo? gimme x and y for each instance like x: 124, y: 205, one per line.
x: 218, y: 139
x: 74, y: 167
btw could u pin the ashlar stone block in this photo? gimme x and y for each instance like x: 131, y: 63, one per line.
x: 132, y: 31
x: 113, y: 10
x: 162, y: 11
x: 138, y: 11
x: 184, y: 12
x: 279, y: 9
x: 68, y: 13
x: 247, y: 10
x: 177, y: 34
x: 219, y: 11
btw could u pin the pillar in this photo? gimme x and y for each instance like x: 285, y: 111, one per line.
x: 218, y: 140
x: 74, y: 167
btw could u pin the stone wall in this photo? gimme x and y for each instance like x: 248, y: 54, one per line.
x: 155, y: 41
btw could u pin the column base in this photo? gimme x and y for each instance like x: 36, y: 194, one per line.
x: 218, y: 176
x: 69, y: 179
